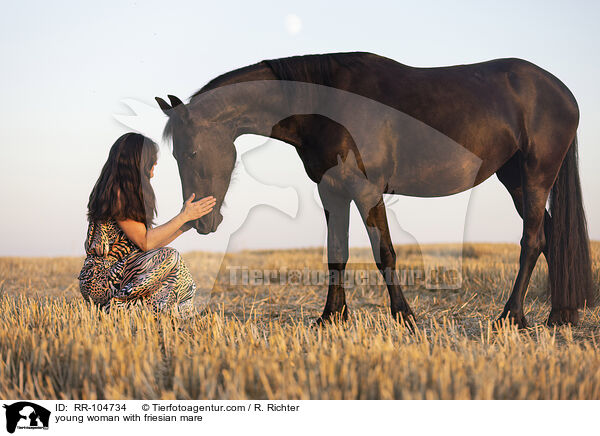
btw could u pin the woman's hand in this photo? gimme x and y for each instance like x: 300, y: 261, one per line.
x: 193, y: 210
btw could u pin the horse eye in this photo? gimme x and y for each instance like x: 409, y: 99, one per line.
x: 192, y: 154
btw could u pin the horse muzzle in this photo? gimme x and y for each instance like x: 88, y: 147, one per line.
x: 210, y: 225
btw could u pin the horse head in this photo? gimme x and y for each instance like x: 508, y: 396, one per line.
x: 205, y: 155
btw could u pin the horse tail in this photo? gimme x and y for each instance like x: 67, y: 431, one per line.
x: 568, y: 249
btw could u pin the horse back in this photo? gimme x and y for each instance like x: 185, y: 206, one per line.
x: 453, y: 126
x: 490, y: 110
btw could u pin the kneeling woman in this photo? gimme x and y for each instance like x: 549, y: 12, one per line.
x: 127, y: 260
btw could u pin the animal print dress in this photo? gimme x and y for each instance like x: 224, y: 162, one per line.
x: 128, y: 275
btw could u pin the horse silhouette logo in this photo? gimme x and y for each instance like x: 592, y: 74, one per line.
x: 26, y: 415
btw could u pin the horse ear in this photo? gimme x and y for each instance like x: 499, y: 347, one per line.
x: 164, y: 105
x: 178, y: 106
x: 175, y: 101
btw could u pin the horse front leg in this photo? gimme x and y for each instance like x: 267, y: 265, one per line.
x: 337, y: 215
x: 375, y: 221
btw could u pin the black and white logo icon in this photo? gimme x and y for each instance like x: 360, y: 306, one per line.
x: 26, y: 415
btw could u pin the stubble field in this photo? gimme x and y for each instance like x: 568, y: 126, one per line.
x: 256, y: 340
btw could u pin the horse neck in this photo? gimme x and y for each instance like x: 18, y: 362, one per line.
x: 249, y: 99
x: 260, y: 110
x: 252, y: 100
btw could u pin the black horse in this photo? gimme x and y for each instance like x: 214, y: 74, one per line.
x: 365, y: 125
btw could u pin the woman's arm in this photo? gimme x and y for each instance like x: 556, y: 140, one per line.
x: 148, y: 239
x: 181, y: 230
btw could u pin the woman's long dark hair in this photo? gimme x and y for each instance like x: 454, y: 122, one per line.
x: 127, y: 171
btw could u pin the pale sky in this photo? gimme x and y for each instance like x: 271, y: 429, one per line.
x: 67, y: 67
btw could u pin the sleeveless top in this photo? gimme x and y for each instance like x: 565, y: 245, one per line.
x: 100, y: 277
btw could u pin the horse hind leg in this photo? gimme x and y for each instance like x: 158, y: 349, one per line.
x: 529, y: 197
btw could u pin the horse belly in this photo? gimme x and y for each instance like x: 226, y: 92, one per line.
x: 423, y: 175
x: 421, y: 161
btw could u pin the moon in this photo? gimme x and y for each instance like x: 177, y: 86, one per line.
x: 293, y: 24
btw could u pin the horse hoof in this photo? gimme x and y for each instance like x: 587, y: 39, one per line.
x: 318, y: 323
x: 563, y: 317
x: 407, y: 319
x: 517, y: 319
x: 331, y: 318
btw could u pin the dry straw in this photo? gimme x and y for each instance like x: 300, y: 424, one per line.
x: 257, y: 341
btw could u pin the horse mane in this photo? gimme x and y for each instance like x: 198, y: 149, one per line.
x: 319, y: 69
x: 315, y: 68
